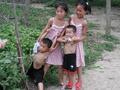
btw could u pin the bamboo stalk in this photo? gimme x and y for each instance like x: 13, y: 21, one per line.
x: 18, y: 46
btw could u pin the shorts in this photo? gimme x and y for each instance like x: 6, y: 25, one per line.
x: 69, y: 62
x: 36, y: 74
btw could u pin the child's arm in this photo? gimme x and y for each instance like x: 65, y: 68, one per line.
x: 75, y: 39
x: 62, y: 40
x: 54, y: 44
x: 57, y: 42
x: 46, y: 29
x: 84, y: 33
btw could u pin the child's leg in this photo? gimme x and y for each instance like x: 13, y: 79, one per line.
x: 79, y: 81
x: 60, y: 74
x: 71, y: 80
x: 79, y: 73
x: 47, y: 66
x: 65, y: 78
x: 40, y: 86
x: 71, y: 77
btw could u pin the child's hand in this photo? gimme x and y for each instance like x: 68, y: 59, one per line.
x: 75, y: 39
x: 52, y: 49
x: 48, y: 30
x: 69, y: 39
x: 62, y: 40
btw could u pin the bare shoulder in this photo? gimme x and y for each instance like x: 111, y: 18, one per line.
x: 50, y: 20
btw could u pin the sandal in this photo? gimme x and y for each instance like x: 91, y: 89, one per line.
x: 69, y: 85
x: 78, y: 85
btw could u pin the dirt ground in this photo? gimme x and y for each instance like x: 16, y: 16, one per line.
x: 105, y: 75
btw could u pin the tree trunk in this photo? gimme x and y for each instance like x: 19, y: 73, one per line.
x: 108, y: 18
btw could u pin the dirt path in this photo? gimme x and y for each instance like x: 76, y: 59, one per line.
x: 107, y: 75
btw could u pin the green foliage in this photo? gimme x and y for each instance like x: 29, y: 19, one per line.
x: 91, y: 54
x: 6, y: 9
x: 116, y: 3
x: 103, y: 2
x: 94, y: 49
x: 108, y: 46
x: 72, y: 2
x: 38, y: 17
x: 91, y: 25
x: 111, y: 38
x: 10, y: 74
x: 52, y: 76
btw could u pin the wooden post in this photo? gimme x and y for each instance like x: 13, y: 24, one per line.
x: 26, y: 12
x: 108, y: 17
x: 18, y: 45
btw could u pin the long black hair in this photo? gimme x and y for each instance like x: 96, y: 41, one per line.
x: 85, y: 5
x: 81, y: 2
x: 63, y: 5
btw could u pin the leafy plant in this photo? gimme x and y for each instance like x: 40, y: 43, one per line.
x: 111, y: 38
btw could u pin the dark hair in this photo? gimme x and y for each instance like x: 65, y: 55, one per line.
x: 81, y: 2
x: 73, y: 27
x: 47, y: 41
x: 63, y: 5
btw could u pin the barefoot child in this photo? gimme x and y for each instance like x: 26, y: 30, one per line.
x: 81, y: 24
x: 53, y: 29
x: 36, y: 70
x: 69, y: 48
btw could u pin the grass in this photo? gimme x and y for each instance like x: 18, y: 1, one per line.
x: 111, y: 38
x: 92, y: 25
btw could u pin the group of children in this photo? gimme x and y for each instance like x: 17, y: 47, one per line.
x: 61, y: 44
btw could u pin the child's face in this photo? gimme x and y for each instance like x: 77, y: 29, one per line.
x: 69, y: 32
x: 60, y: 13
x: 43, y: 47
x: 79, y: 11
